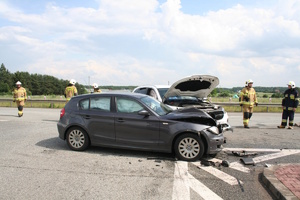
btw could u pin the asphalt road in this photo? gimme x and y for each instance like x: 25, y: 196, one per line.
x: 36, y: 164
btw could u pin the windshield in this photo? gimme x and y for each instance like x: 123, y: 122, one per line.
x: 162, y: 91
x: 156, y: 106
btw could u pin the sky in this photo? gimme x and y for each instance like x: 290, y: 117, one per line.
x: 153, y: 42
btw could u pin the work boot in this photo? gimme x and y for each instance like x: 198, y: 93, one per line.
x: 246, y: 126
x: 280, y: 126
x: 290, y: 127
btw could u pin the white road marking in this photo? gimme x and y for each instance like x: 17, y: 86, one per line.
x: 284, y: 152
x: 3, y: 120
x: 181, y: 190
x: 219, y: 174
x: 251, y: 150
x: 280, y: 153
x: 183, y: 181
x: 238, y: 166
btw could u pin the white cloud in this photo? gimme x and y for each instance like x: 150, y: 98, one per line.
x: 135, y: 42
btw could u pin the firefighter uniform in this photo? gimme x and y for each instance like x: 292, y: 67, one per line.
x: 289, y: 105
x: 96, y: 88
x: 19, y: 96
x: 71, y: 90
x: 247, y: 100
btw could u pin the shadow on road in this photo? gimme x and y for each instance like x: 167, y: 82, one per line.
x: 58, y: 144
x: 9, y: 115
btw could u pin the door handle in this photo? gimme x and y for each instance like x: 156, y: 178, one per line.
x: 120, y: 120
x: 87, y: 117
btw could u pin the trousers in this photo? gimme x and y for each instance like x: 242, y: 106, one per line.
x: 287, y: 114
x: 247, y: 114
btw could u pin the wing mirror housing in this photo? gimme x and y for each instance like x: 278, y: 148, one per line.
x: 144, y: 113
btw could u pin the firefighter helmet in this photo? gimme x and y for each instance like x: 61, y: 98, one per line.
x: 95, y: 85
x: 292, y: 84
x: 72, y: 81
x: 250, y: 81
x: 18, y: 83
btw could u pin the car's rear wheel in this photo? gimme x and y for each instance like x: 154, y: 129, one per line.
x: 77, y: 139
x: 189, y: 147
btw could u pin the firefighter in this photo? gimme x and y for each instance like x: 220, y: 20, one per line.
x: 247, y: 100
x: 19, y: 96
x: 289, y: 104
x: 71, y: 90
x: 96, y: 88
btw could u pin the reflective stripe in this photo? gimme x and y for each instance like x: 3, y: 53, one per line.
x: 284, y: 120
x: 20, y: 99
x: 289, y: 108
x: 248, y: 103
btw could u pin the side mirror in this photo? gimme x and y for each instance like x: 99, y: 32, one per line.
x: 144, y: 112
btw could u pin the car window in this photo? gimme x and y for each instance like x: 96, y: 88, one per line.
x: 100, y: 103
x: 142, y: 90
x: 128, y: 105
x: 156, y: 106
x: 84, y: 104
x: 162, y: 91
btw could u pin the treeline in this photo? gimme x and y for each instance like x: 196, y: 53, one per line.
x: 35, y: 84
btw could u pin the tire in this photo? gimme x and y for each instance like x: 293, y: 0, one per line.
x: 189, y: 147
x: 77, y: 139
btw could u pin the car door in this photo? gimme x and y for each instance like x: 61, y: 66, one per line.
x: 100, y: 120
x: 132, y: 128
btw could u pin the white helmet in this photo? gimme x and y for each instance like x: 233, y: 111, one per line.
x: 95, y: 85
x: 292, y: 84
x: 72, y: 81
x: 18, y: 83
x: 249, y: 81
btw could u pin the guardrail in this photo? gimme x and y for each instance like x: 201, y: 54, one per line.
x: 267, y: 105
x: 52, y: 102
x: 31, y: 101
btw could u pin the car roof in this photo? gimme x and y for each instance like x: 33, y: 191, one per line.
x: 154, y: 86
x: 124, y: 94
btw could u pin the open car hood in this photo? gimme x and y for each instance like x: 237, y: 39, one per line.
x: 196, y: 86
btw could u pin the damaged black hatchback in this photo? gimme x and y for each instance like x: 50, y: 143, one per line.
x: 137, y: 121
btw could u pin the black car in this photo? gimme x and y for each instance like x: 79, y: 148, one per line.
x: 137, y: 121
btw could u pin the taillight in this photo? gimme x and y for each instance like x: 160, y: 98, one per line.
x: 62, y: 112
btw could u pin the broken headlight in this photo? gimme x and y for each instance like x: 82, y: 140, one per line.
x: 214, y: 130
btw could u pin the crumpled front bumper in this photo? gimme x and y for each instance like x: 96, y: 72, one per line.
x: 214, y: 142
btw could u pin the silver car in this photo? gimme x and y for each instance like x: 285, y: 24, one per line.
x: 139, y: 122
x: 191, y: 91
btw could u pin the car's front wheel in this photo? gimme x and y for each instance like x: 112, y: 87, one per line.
x: 189, y: 147
x: 77, y: 139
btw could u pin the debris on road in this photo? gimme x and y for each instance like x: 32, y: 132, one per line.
x: 243, y: 153
x: 247, y: 161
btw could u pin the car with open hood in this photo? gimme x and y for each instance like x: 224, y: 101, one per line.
x: 138, y: 122
x: 191, y: 91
